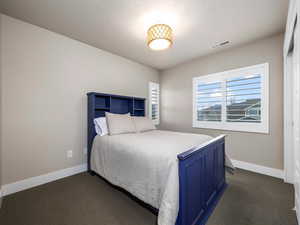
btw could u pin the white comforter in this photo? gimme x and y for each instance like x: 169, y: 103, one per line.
x: 145, y: 164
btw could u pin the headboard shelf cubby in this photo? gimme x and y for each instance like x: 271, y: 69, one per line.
x: 99, y: 103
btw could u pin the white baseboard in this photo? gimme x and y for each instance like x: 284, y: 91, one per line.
x: 8, y: 189
x: 258, y: 169
x: 46, y: 178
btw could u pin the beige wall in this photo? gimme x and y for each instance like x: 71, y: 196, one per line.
x: 45, y: 80
x: 176, y: 97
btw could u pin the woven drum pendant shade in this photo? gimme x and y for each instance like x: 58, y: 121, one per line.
x: 160, y: 37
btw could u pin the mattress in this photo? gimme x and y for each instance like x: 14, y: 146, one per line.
x: 145, y: 164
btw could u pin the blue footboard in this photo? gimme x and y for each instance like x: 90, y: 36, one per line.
x: 201, y: 181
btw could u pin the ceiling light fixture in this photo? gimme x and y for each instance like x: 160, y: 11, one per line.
x: 159, y: 37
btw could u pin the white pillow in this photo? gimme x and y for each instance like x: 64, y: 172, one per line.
x: 143, y: 124
x: 101, y: 126
x: 119, y: 123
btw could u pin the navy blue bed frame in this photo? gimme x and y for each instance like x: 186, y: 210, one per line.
x: 201, y: 169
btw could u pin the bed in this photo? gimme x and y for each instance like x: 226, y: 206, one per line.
x: 181, y: 175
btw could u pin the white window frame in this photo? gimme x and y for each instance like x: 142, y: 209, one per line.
x: 156, y: 86
x: 262, y: 127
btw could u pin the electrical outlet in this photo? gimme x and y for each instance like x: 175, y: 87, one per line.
x: 85, y: 151
x: 69, y: 153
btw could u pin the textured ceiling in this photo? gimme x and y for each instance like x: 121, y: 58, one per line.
x: 119, y: 26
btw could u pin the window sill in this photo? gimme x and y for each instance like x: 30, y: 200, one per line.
x: 245, y: 127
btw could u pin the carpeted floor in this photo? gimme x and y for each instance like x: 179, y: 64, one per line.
x: 85, y: 200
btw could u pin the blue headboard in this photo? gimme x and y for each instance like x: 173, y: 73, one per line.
x: 99, y: 103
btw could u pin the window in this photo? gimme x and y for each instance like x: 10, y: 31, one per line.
x: 154, y: 102
x: 233, y: 100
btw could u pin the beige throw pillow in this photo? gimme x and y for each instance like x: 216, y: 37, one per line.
x: 143, y: 124
x: 119, y: 123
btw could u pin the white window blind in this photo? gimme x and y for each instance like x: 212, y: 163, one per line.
x: 209, y: 101
x: 243, y: 99
x: 232, y: 100
x: 154, y: 102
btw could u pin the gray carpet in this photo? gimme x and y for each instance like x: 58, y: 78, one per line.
x: 85, y: 200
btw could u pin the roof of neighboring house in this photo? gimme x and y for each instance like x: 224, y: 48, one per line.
x: 257, y: 105
x: 244, y: 105
x: 236, y: 106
